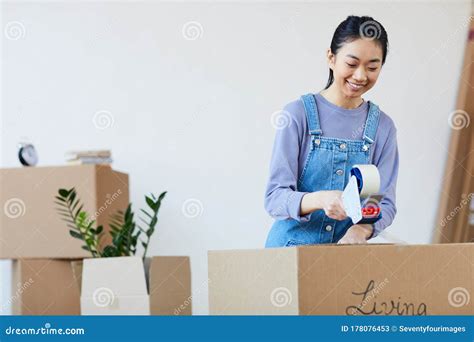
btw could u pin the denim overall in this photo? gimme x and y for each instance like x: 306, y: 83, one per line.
x: 327, y: 167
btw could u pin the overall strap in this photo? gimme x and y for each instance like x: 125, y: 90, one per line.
x: 371, y: 123
x: 312, y: 115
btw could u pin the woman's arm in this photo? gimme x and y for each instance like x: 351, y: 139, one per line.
x: 329, y: 201
x: 358, y: 233
x: 386, y: 160
x: 282, y: 199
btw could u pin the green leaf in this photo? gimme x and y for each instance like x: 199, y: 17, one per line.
x: 114, y: 228
x: 117, y: 240
x: 150, y: 202
x: 128, y: 212
x: 145, y: 222
x: 78, y: 211
x: 160, y: 198
x: 63, y: 192
x: 109, y: 251
x: 67, y: 220
x: 73, y: 227
x: 99, y: 230
x: 73, y: 208
x: 146, y: 213
x: 61, y: 199
x: 72, y: 196
x: 76, y: 234
x: 63, y: 211
x: 162, y: 195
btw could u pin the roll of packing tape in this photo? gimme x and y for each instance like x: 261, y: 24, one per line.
x: 368, y: 179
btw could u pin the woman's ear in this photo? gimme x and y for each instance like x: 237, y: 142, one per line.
x: 331, y: 58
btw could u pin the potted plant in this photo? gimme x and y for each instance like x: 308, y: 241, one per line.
x: 114, y: 280
x: 124, y: 231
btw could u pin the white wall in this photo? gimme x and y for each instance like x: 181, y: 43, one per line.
x: 193, y: 116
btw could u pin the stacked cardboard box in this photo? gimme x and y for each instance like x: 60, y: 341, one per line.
x: 47, y: 273
x: 343, y: 280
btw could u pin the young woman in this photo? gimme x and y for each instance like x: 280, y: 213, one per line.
x: 327, y: 133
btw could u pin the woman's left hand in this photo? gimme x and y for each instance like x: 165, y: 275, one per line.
x: 357, y: 234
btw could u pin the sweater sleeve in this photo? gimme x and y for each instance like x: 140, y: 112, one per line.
x: 386, y: 160
x: 282, y: 200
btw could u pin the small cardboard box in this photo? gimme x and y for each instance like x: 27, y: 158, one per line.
x: 118, y: 286
x: 114, y: 286
x: 43, y: 287
x: 170, y: 286
x: 30, y: 226
x: 343, y: 280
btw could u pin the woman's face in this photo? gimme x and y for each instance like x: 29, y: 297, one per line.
x: 356, y: 66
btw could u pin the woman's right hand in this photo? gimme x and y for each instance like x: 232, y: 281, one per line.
x: 331, y: 202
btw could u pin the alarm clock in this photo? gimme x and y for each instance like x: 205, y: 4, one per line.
x: 27, y: 154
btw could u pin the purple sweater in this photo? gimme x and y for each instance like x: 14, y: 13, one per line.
x: 292, y: 145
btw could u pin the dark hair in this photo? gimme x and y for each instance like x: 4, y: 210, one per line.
x: 355, y: 27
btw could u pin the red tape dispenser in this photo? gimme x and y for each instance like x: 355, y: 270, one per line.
x: 360, y: 197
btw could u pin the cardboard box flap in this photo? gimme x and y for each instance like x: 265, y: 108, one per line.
x: 122, y: 276
x: 171, y: 273
x: 253, y: 282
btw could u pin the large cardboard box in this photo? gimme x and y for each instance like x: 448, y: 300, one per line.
x: 118, y: 286
x: 343, y: 280
x: 30, y: 226
x: 43, y: 287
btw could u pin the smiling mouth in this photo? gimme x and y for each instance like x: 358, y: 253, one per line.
x: 355, y: 86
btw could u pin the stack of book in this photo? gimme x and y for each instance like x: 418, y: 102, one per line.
x: 89, y: 157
